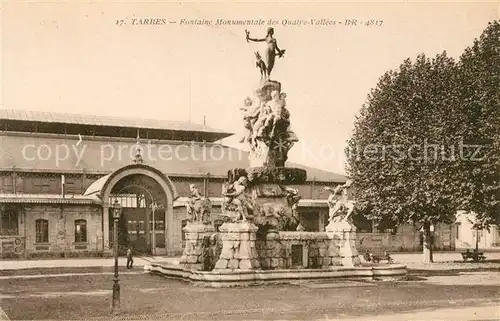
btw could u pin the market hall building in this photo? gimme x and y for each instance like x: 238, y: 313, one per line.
x: 56, y: 189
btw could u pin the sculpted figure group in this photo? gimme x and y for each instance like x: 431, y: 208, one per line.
x: 267, y: 122
x: 198, y: 208
x: 266, y: 118
x: 237, y: 201
x: 239, y: 206
x: 293, y: 198
x: 269, y: 136
x: 341, y: 207
x: 263, y: 117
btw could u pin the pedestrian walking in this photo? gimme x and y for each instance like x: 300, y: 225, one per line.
x: 130, y: 260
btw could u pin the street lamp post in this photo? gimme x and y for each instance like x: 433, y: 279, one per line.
x: 117, y: 210
x: 154, y: 206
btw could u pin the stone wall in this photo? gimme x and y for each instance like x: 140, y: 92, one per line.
x: 12, y: 247
x: 200, y: 250
x: 380, y: 242
x: 444, y: 237
x: 287, y: 250
x: 275, y: 250
x: 406, y: 239
x: 238, y: 247
x: 180, y: 221
x: 61, y: 225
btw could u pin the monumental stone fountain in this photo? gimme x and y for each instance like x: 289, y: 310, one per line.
x: 262, y: 238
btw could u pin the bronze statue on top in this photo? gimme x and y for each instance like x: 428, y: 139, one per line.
x: 270, y: 54
x: 265, y: 115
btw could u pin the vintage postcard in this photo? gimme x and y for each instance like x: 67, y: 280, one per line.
x: 249, y: 160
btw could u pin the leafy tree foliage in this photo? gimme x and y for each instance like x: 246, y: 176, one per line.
x: 478, y: 88
x: 411, y: 156
x: 395, y: 153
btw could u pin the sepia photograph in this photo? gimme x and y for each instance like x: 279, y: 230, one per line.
x: 218, y: 160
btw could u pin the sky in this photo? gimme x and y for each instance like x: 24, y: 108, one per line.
x: 74, y: 57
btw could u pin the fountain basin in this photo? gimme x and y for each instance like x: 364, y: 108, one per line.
x: 234, y: 278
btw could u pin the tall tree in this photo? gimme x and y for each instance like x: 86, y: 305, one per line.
x: 478, y: 88
x: 398, y: 156
x: 427, y: 142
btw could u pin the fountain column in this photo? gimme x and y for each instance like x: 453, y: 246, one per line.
x: 238, y: 247
x: 193, y: 257
x: 198, y: 232
x: 342, y: 236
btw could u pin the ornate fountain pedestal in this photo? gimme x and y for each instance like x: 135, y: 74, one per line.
x: 262, y: 239
x: 343, y: 236
x: 258, y: 209
x: 238, y: 247
x: 193, y: 257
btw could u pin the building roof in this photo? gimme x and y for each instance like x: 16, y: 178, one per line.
x: 48, y: 199
x: 96, y: 186
x: 59, y: 153
x: 38, y: 121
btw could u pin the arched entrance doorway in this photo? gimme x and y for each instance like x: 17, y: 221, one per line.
x: 143, y: 225
x: 146, y: 196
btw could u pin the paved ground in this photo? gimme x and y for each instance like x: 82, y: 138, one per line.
x: 447, y: 290
x: 76, y: 262
x: 480, y: 312
x: 412, y: 260
x: 465, y: 295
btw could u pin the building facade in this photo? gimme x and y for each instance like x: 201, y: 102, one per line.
x: 60, y: 173
x: 467, y: 237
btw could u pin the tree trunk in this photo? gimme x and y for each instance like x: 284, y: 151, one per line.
x: 427, y: 243
x: 477, y: 240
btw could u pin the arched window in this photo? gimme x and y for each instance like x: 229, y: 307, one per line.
x: 42, y: 231
x: 80, y: 231
x: 9, y: 217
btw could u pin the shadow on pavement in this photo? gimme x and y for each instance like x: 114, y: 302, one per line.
x: 67, y: 270
x: 450, y: 271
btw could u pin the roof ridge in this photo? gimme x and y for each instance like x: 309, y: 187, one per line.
x: 42, y: 112
x: 202, y: 131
